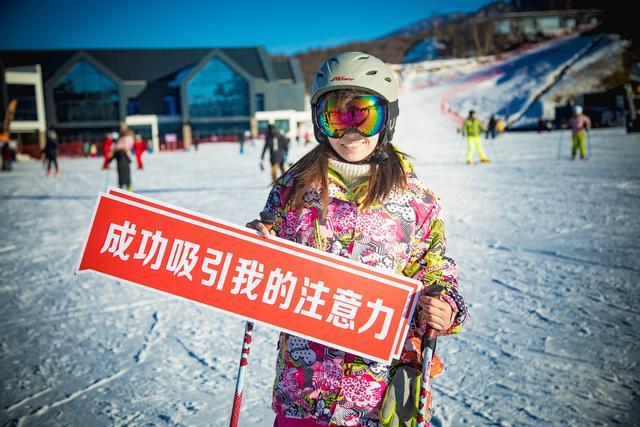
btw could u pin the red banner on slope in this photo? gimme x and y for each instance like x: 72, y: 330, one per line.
x: 274, y: 282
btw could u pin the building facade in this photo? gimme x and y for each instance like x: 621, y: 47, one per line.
x: 164, y: 94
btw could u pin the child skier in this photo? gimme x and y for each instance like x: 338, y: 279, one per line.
x: 356, y: 196
x: 580, y: 124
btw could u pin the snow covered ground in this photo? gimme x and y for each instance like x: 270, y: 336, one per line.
x: 548, y: 254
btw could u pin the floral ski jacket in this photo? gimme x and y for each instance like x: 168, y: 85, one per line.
x: 403, y: 234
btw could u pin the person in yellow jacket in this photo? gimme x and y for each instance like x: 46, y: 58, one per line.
x: 473, y: 129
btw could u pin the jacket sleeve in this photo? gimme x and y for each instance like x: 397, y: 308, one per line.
x: 430, y: 265
x: 276, y: 202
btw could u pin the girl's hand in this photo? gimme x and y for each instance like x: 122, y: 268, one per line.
x: 436, y: 312
x: 265, y: 230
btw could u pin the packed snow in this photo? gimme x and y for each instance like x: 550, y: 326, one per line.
x: 547, y: 249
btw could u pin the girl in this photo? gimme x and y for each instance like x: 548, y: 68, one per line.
x: 356, y: 196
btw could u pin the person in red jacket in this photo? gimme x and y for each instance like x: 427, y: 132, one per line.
x: 107, y: 145
x: 138, y: 147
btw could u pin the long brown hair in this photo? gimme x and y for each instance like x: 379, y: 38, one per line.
x: 312, y: 171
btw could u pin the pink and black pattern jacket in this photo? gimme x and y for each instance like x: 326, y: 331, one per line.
x: 403, y: 234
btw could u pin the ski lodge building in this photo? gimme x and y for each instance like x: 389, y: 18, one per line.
x: 169, y: 96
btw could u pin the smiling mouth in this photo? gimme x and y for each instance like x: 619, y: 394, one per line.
x: 353, y: 144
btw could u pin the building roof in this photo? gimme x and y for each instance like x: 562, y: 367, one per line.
x: 283, y: 70
x: 137, y: 64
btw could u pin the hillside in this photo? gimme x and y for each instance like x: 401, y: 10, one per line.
x: 466, y: 35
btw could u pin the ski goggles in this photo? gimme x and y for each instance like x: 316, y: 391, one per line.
x: 366, y: 114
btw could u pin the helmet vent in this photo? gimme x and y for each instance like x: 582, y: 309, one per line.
x: 388, y: 79
x: 364, y: 57
x: 372, y: 72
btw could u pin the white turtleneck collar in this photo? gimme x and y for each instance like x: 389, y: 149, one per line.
x: 352, y: 174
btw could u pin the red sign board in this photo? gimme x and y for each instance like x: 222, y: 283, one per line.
x: 293, y: 288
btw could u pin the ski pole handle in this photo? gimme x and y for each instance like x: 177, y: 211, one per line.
x: 268, y: 219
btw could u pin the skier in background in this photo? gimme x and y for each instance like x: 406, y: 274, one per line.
x: 249, y: 138
x: 491, y: 127
x: 580, y: 124
x: 126, y: 138
x: 8, y: 156
x: 107, y: 145
x: 354, y: 172
x: 277, y: 145
x: 51, y: 152
x: 241, y: 140
x: 138, y: 149
x: 472, y: 129
x: 121, y: 156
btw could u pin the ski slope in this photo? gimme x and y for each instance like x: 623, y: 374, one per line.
x: 527, y: 84
x: 548, y: 254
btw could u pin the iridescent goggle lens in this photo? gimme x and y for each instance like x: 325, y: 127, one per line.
x: 365, y: 114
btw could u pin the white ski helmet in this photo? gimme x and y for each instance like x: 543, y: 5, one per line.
x: 577, y: 109
x: 359, y: 71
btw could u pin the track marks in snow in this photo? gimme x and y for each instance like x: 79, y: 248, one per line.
x: 80, y: 312
x: 466, y: 402
x: 72, y: 396
x: 27, y: 399
x: 556, y: 254
x: 200, y: 359
x: 141, y: 355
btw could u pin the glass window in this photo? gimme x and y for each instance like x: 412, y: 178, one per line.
x: 549, y: 23
x: 203, y: 132
x: 259, y: 101
x: 85, y: 94
x: 282, y: 125
x: 503, y: 26
x: 170, y: 105
x: 133, y: 107
x: 528, y: 26
x: 143, y: 130
x: 570, y: 23
x: 26, y: 96
x: 218, y: 91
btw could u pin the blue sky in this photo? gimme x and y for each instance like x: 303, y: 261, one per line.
x: 283, y: 27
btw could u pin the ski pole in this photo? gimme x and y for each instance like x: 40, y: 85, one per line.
x: 237, y: 398
x: 428, y: 349
x: 267, y: 219
x: 588, y: 144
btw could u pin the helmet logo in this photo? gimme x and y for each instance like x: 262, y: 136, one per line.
x: 341, y: 78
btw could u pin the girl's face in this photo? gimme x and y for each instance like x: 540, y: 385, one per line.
x: 354, y: 147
